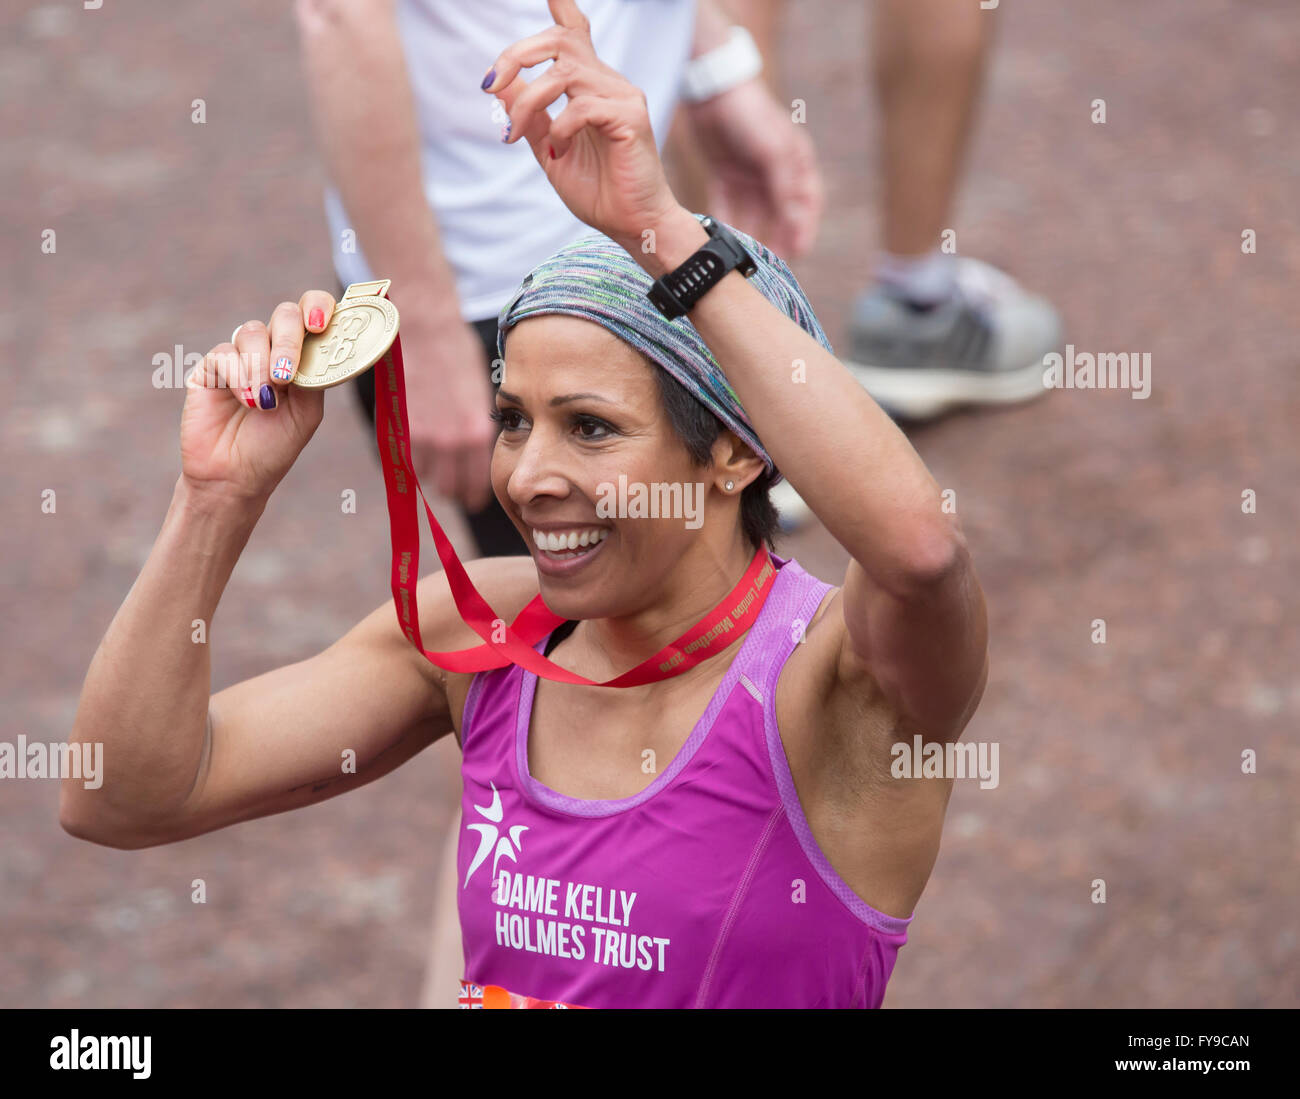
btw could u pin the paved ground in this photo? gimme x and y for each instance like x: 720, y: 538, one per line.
x: 1119, y: 761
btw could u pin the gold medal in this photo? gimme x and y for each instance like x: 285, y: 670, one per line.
x: 362, y: 329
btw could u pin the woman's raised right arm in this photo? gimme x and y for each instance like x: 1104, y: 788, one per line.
x: 176, y: 762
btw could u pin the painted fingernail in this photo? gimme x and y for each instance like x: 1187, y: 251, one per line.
x: 552, y: 152
x: 266, y: 397
x: 505, y: 132
x: 282, y: 371
x: 487, y: 80
x: 248, y: 398
x: 316, y: 318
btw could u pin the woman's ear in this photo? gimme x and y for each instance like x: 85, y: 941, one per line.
x: 734, y: 463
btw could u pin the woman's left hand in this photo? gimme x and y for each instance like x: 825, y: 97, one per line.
x: 599, y: 153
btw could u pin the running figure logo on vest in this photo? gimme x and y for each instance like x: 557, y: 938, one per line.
x: 488, y: 836
x: 588, y: 924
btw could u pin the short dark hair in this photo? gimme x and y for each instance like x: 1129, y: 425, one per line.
x: 698, y: 429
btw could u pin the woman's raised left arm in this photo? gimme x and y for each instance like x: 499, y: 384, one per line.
x: 913, y: 610
x: 913, y: 607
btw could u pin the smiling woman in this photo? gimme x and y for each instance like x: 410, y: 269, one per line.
x: 564, y: 781
x: 596, y: 280
x: 720, y: 829
x: 581, y: 413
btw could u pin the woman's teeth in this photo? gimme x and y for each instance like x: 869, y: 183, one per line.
x: 569, y: 542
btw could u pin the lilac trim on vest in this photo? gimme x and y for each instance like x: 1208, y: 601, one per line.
x: 790, y: 600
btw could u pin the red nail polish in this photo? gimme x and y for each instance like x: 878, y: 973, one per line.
x: 552, y: 152
x: 317, y: 318
x: 249, y: 399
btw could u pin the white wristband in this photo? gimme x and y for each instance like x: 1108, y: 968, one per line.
x: 721, y: 69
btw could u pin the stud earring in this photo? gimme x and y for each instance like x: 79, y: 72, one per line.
x: 731, y: 485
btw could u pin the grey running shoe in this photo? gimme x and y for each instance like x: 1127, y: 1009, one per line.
x: 985, y: 345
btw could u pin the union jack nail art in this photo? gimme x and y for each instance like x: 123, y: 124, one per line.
x: 283, y: 369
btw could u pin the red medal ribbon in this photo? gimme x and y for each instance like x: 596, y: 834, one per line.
x: 514, y: 644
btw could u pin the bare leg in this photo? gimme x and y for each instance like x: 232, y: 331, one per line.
x: 938, y: 330
x: 928, y: 60
x: 444, y: 967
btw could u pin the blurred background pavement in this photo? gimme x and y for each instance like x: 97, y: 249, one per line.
x: 1119, y: 761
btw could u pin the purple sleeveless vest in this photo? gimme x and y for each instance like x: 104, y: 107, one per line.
x: 706, y: 889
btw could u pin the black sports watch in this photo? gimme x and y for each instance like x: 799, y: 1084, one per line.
x: 676, y: 292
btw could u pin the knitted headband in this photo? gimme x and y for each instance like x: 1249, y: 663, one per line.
x: 594, y: 278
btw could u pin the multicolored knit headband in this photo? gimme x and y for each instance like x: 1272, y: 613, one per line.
x: 595, y: 278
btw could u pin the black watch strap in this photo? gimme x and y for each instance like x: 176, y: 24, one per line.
x: 676, y: 292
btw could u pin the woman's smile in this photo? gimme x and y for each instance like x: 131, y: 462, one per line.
x: 562, y: 546
x: 566, y: 551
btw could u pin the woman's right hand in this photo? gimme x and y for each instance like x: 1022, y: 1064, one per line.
x: 232, y: 447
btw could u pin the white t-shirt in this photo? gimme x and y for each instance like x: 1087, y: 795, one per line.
x: 497, y: 213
